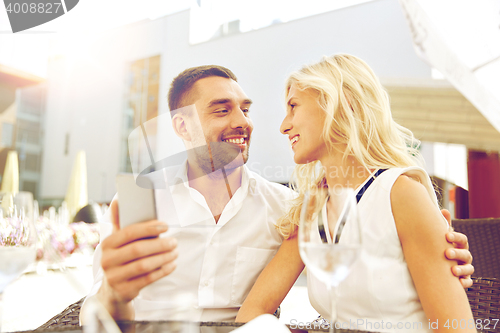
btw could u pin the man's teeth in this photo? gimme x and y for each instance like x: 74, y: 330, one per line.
x: 239, y: 141
x: 294, y: 139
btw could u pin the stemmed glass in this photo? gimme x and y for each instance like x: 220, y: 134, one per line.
x: 330, y: 237
x: 17, y: 237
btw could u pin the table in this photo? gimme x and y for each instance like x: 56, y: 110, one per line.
x: 33, y: 298
x: 160, y: 326
x: 51, y: 293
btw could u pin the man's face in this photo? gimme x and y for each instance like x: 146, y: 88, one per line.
x: 226, y: 127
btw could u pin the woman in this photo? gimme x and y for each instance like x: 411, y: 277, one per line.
x: 338, y: 117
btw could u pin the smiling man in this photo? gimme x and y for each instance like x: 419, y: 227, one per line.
x: 216, y: 129
x: 221, y: 216
x: 218, y: 218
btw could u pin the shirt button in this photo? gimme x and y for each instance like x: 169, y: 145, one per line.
x: 207, y: 283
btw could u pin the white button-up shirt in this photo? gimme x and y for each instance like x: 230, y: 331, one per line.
x: 219, y: 262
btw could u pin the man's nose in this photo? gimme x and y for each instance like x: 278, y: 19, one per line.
x: 239, y: 120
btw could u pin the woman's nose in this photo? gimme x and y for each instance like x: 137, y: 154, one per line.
x: 286, y: 125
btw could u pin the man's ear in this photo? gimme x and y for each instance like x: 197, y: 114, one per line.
x: 179, y: 123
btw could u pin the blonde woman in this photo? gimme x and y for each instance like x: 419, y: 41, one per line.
x: 339, y: 118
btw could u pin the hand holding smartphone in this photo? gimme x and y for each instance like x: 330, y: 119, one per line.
x: 135, y: 204
x: 124, y: 280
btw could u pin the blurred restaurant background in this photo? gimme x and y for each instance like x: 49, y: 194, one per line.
x: 72, y: 90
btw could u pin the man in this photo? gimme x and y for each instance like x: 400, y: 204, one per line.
x: 221, y: 215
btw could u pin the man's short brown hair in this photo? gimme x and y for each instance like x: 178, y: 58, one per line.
x: 182, y: 84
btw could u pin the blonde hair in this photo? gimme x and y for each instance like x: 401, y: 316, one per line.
x: 358, y: 117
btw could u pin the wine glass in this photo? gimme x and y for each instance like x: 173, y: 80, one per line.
x: 329, y: 237
x: 17, y: 237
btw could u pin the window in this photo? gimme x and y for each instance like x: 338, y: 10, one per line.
x: 143, y: 83
x: 32, y: 162
x: 7, y: 134
x: 29, y: 186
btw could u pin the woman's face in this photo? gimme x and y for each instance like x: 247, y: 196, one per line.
x: 304, y: 124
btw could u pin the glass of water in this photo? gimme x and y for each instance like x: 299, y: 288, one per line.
x: 330, y: 237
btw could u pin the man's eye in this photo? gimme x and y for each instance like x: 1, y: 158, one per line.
x: 222, y: 111
x: 245, y: 110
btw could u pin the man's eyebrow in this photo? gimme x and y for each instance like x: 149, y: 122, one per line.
x: 219, y: 102
x: 227, y: 101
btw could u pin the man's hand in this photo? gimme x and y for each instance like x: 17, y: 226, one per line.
x: 132, y: 258
x: 460, y: 253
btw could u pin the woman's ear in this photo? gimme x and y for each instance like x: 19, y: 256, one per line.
x: 179, y: 123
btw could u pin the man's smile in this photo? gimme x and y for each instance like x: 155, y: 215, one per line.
x: 241, y: 142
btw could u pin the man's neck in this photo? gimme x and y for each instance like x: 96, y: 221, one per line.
x: 217, y: 187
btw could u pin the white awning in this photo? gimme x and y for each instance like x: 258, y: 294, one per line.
x: 461, y: 39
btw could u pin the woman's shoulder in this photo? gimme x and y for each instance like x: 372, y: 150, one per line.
x: 415, y: 172
x: 411, y: 196
x: 410, y: 184
x: 411, y: 181
x: 389, y: 177
x: 407, y: 188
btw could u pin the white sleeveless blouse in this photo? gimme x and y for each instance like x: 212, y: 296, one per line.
x: 379, y: 293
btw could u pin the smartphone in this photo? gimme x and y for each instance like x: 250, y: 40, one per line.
x: 135, y: 204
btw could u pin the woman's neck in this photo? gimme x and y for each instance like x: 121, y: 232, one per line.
x: 344, y: 172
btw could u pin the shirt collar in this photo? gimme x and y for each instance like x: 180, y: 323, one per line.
x: 248, y: 178
x: 181, y: 174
